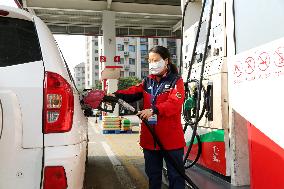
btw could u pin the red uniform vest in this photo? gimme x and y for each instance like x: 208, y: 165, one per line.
x: 168, y: 104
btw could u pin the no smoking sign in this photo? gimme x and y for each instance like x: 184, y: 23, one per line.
x: 263, y: 61
x: 250, y: 65
x: 279, y: 57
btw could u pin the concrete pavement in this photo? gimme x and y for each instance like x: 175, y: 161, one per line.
x: 115, y: 160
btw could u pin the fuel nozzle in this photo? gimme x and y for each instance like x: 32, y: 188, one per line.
x: 93, y: 99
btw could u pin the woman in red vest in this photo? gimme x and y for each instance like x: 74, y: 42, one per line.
x: 163, y: 95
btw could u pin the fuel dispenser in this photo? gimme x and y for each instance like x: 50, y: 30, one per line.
x: 243, y: 65
x: 205, y: 75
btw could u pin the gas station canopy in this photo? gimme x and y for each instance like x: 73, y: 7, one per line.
x: 147, y: 18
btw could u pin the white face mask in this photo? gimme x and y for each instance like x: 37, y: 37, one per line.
x: 157, y: 67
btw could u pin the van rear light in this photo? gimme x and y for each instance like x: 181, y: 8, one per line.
x: 3, y: 13
x: 58, y: 104
x: 54, y: 100
x: 54, y: 178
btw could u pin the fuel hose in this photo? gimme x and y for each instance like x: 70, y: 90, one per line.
x: 199, y: 83
x: 172, y: 161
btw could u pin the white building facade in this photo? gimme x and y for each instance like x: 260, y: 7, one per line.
x: 79, y: 73
x: 92, y: 62
x: 133, y: 52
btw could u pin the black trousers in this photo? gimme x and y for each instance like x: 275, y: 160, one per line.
x: 154, y: 167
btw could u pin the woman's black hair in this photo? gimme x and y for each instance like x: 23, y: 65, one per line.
x: 165, y: 54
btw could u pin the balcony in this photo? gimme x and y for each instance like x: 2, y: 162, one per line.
x: 126, y: 53
x: 126, y: 40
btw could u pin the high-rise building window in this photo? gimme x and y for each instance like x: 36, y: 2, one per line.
x: 155, y: 41
x: 144, y: 74
x: 121, y: 61
x: 144, y: 61
x: 96, y: 74
x: 172, y: 51
x: 96, y: 51
x: 143, y: 40
x: 144, y: 50
x: 146, y: 66
x: 144, y: 47
x: 131, y: 74
x: 131, y: 48
x: 121, y: 73
x: 96, y: 58
x: 144, y: 53
x: 132, y: 61
x: 120, y: 47
x: 96, y: 66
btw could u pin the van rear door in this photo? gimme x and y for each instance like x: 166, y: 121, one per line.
x: 1, y: 119
x: 21, y: 100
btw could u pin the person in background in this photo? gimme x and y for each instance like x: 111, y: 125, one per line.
x: 163, y: 95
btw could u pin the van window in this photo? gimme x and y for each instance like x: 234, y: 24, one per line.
x: 18, y: 42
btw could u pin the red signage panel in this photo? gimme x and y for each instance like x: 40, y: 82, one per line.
x: 102, y: 58
x: 116, y: 59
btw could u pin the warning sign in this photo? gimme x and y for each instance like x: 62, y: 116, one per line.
x: 279, y: 57
x: 237, y: 71
x: 263, y: 61
x: 250, y: 65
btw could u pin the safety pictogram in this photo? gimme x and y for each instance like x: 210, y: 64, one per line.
x: 250, y: 65
x: 237, y: 69
x: 279, y: 57
x: 263, y: 61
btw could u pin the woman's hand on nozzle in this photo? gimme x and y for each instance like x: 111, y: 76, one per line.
x: 145, y: 114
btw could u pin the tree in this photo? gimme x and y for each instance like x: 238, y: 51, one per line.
x: 125, y: 82
x: 98, y: 85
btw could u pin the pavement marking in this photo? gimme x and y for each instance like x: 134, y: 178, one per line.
x: 96, y: 130
x: 120, y: 172
x: 137, y: 176
x: 110, y: 154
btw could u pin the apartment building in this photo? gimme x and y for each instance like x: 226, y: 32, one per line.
x: 92, y: 62
x: 133, y: 52
x: 79, y: 75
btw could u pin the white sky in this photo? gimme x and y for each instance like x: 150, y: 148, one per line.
x: 73, y: 48
x: 10, y: 3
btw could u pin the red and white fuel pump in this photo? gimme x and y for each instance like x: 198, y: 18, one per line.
x: 241, y: 134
